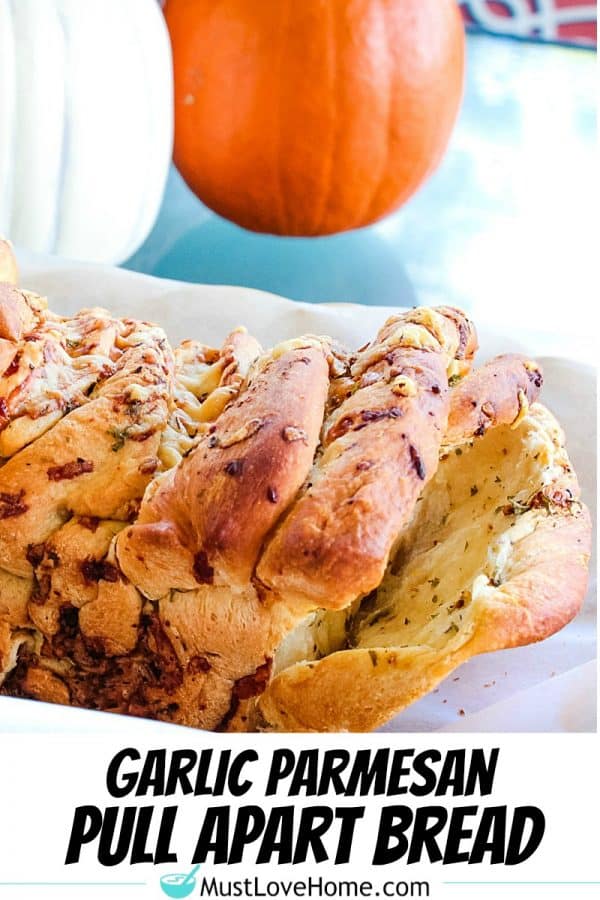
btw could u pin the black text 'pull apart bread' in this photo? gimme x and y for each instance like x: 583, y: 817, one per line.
x: 297, y: 539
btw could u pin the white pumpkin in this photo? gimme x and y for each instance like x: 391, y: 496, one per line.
x: 86, y: 124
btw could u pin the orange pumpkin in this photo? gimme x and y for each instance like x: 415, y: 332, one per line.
x: 307, y: 117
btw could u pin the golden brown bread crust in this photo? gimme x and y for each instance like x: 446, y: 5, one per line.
x: 224, y: 642
x: 68, y: 569
x: 494, y: 394
x: 52, y: 369
x: 335, y: 543
x: 197, y: 540
x: 206, y: 523
x: 378, y: 450
x: 92, y: 462
x: 73, y: 627
x: 523, y: 576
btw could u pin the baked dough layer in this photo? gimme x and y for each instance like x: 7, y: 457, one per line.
x: 302, y: 538
x: 496, y: 556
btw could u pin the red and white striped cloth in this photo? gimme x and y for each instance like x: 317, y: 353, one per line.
x: 570, y: 21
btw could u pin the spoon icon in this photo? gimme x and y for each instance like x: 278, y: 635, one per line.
x: 190, y: 876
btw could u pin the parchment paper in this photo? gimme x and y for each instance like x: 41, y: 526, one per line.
x: 544, y: 687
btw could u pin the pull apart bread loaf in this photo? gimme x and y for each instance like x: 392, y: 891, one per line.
x: 298, y: 539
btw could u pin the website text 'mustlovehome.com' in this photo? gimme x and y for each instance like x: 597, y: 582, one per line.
x: 310, y: 887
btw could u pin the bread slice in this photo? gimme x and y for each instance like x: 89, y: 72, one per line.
x: 496, y: 556
x: 379, y: 448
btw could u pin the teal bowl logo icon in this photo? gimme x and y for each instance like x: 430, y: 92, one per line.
x: 179, y: 885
